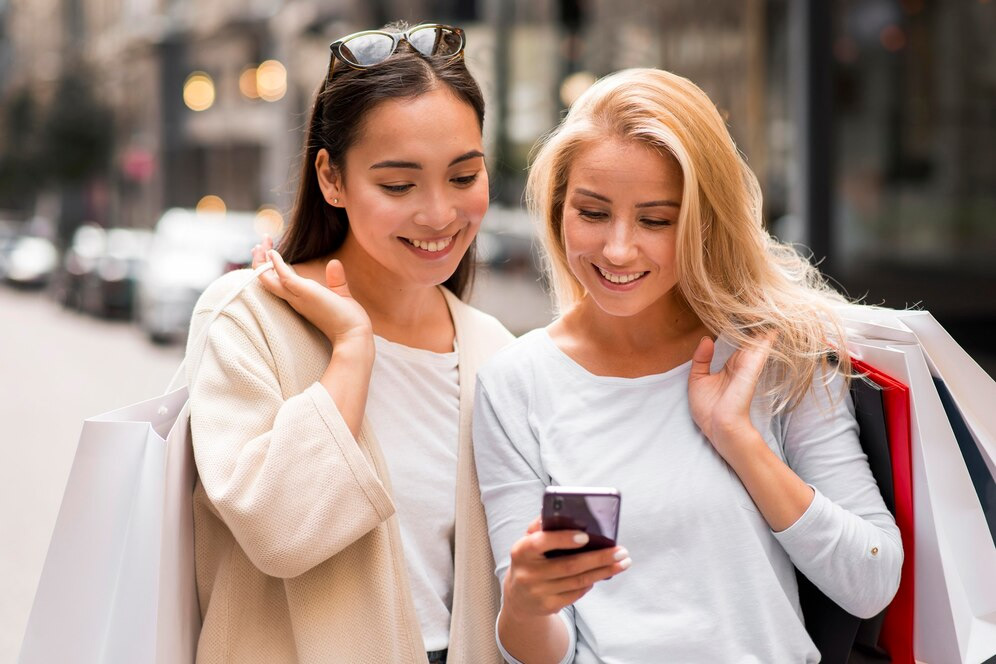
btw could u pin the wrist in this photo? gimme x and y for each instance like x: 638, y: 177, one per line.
x: 743, y: 449
x: 355, y: 352
x: 355, y: 343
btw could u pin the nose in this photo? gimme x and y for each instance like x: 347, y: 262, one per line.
x: 439, y: 212
x: 620, y: 243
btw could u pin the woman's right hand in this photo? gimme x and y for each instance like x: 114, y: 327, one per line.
x: 538, y: 586
x: 330, y: 308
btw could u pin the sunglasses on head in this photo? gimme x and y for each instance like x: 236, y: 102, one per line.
x: 361, y: 50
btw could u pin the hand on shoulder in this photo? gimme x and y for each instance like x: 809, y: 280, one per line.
x: 720, y: 402
x: 328, y: 306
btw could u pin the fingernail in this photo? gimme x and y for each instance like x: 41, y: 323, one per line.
x: 581, y: 538
x: 620, y: 554
x: 626, y: 563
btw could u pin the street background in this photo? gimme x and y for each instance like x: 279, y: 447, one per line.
x: 137, y: 133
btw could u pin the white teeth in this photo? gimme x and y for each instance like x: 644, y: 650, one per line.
x: 620, y: 278
x: 435, y: 245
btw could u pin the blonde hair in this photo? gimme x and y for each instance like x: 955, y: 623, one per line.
x: 737, y: 279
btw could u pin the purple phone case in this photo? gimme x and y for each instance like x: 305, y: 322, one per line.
x: 595, y: 514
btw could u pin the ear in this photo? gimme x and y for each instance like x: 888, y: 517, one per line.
x: 329, y: 179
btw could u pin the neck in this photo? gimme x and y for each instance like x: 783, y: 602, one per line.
x: 399, y: 310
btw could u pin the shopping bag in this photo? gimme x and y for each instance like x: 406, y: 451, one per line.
x: 118, y: 580
x: 97, y: 597
x: 973, y: 391
x: 881, y: 408
x: 955, y: 568
x: 892, y: 468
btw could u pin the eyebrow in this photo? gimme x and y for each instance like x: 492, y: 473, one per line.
x: 391, y: 163
x: 600, y: 197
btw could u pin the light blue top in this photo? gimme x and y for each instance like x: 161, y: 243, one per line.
x: 710, y: 581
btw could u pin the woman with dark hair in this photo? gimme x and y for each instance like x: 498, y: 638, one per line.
x: 337, y: 514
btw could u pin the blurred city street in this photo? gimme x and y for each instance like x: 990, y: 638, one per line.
x: 60, y: 367
x: 147, y: 145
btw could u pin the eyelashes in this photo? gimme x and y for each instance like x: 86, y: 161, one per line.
x: 598, y: 215
x: 463, y: 182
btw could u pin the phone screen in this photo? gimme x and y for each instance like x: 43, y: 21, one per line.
x: 594, y: 511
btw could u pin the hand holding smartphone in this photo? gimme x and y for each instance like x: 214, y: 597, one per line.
x: 594, y: 510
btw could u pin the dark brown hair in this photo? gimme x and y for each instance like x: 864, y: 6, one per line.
x: 341, y: 106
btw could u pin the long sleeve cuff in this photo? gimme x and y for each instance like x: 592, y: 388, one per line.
x: 853, y: 561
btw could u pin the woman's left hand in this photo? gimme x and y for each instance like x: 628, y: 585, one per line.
x: 720, y: 402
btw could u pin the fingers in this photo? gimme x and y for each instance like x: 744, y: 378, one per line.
x: 551, y: 540
x: 588, y: 578
x: 535, y: 526
x: 531, y: 550
x: 751, y: 361
x: 281, y: 280
x: 542, y: 586
x: 335, y: 277
x: 259, y: 251
x: 584, y: 569
x: 702, y: 358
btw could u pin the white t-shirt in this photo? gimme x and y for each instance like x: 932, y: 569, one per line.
x: 710, y: 581
x: 414, y: 409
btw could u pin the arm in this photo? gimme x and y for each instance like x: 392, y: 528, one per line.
x: 284, y: 472
x: 846, y: 542
x: 536, y: 623
x: 823, y: 505
x: 331, y: 308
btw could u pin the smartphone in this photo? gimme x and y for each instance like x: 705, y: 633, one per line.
x: 595, y: 510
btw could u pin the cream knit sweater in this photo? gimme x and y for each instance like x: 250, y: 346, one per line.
x: 298, y: 553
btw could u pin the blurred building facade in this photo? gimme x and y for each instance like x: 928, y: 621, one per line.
x: 871, y: 124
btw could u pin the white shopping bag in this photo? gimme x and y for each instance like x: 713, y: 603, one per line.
x: 118, y: 581
x: 117, y: 556
x: 973, y: 390
x: 955, y: 601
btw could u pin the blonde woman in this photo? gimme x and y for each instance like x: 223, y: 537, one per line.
x: 689, y: 369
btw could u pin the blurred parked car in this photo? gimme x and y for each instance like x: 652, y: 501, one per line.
x: 31, y: 262
x: 189, y: 250
x: 80, y: 259
x: 108, y: 289
x: 9, y: 231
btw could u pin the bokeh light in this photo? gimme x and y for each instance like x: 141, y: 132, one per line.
x: 247, y: 83
x: 574, y: 86
x: 268, y: 221
x: 271, y: 80
x: 893, y: 38
x: 198, y: 91
x: 212, y: 204
x: 846, y: 50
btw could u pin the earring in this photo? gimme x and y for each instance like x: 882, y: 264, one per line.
x: 335, y: 201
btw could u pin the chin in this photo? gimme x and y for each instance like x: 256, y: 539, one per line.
x: 620, y: 308
x: 433, y: 277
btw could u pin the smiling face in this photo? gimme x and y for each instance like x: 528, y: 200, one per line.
x: 620, y: 224
x: 414, y: 186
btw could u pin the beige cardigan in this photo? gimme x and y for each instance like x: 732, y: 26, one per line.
x: 298, y: 554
